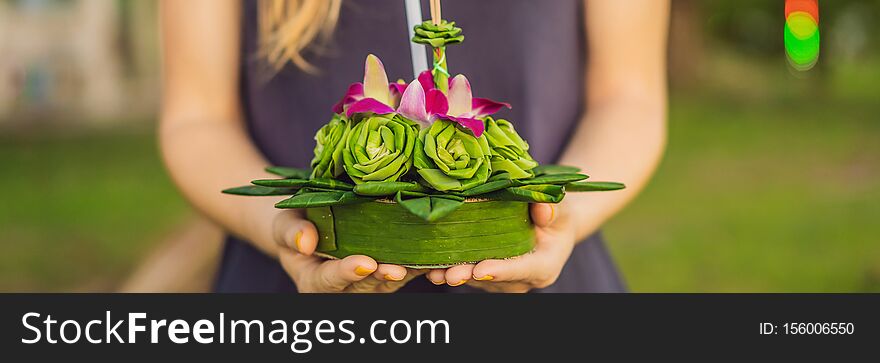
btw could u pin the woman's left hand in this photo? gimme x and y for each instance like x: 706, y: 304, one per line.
x: 555, y: 239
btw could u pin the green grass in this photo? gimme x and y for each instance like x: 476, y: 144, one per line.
x: 79, y: 210
x: 777, y: 194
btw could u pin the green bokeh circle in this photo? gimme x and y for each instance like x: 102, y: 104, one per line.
x: 803, y: 52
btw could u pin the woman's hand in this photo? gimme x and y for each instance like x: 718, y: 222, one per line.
x: 298, y: 239
x: 555, y: 240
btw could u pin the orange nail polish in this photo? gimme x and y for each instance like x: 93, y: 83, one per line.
x: 485, y: 278
x: 437, y: 283
x: 361, y: 271
x: 459, y: 283
x: 296, y: 241
x: 392, y: 278
x: 552, y: 212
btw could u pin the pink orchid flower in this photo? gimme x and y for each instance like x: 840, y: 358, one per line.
x: 424, y: 103
x: 375, y: 94
x: 419, y: 101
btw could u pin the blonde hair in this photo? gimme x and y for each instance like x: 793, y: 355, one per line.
x: 287, y: 27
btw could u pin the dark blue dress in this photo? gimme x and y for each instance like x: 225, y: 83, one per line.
x: 527, y: 53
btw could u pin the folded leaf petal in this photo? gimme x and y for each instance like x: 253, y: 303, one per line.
x: 320, y: 199
x: 258, y: 191
x: 385, y: 188
x: 288, y: 172
x: 554, y: 179
x: 555, y: 169
x: 593, y: 186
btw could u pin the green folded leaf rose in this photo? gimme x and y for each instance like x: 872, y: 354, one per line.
x: 329, y: 143
x: 510, y: 153
x: 449, y: 158
x: 437, y: 35
x: 380, y: 148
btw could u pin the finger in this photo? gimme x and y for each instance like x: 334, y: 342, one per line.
x: 543, y: 214
x: 458, y: 275
x: 292, y: 231
x: 294, y: 263
x: 336, y: 275
x: 437, y: 276
x: 367, y: 285
x: 392, y: 286
x: 387, y: 272
x: 525, y: 268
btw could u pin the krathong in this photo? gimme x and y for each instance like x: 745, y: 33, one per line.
x: 421, y: 174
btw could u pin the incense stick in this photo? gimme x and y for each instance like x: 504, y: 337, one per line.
x: 436, y: 14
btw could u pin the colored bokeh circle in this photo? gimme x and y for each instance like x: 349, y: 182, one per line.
x: 801, y: 33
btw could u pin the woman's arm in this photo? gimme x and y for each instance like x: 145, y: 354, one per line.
x: 202, y: 134
x: 623, y: 134
x: 206, y: 148
x: 620, y: 138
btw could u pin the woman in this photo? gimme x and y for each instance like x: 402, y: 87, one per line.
x: 247, y: 84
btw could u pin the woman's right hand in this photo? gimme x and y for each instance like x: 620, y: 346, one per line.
x: 298, y: 238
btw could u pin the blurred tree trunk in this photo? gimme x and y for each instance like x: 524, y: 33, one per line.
x: 686, y: 46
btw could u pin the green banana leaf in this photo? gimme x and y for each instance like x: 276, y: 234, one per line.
x: 449, y: 196
x: 554, y: 179
x: 544, y: 193
x: 390, y: 234
x: 593, y: 186
x: 288, y: 172
x: 282, y: 183
x: 429, y: 208
x: 320, y: 199
x: 330, y: 184
x: 386, y: 188
x: 323, y: 183
x: 258, y: 191
x: 489, y: 187
x: 499, y: 176
x: 555, y: 169
x: 307, y: 190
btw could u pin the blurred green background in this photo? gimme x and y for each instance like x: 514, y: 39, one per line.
x: 771, y: 181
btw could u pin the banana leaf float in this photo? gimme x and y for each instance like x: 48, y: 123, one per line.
x: 421, y: 174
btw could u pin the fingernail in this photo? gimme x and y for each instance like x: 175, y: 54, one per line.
x: 392, y: 278
x: 362, y: 271
x: 438, y: 283
x: 552, y: 212
x: 459, y: 283
x: 485, y: 278
x: 296, y: 241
